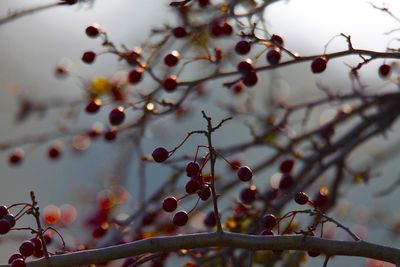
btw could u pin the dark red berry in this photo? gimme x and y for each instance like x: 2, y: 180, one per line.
x: 235, y: 165
x: 267, y: 232
x: 93, y: 106
x: 320, y: 199
x: 36, y: 243
x: 18, y: 263
x: 210, y: 220
x: 216, y: 29
x: 301, y: 198
x: 54, y: 152
x: 99, y: 232
x: 160, y: 154
x: 203, y: 3
x: 4, y: 227
x: 47, y: 239
x: 242, y: 47
x: 172, y: 58
x: 149, y: 218
x: 204, y: 193
x: 179, y: 32
x: 180, y: 218
x: 313, y: 253
x: 16, y: 157
x: 170, y: 83
x: 286, y: 165
x: 318, y: 65
x: 92, y: 31
x: 250, y: 79
x: 170, y: 204
x: 245, y: 67
x: 110, y: 135
x: 227, y: 28
x: 192, y: 186
x: 26, y: 248
x: 88, y: 57
x: 3, y: 211
x: 277, y: 39
x: 385, y: 70
x: 192, y: 169
x: 248, y: 195
x: 237, y: 88
x: 10, y: 219
x: 286, y: 181
x: 269, y: 220
x: 116, y: 116
x: 274, y: 56
x: 244, y: 173
x: 135, y: 76
x: 14, y: 257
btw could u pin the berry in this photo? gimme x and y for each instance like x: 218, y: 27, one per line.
x: 92, y: 31
x: 14, y: 257
x: 274, y: 56
x: 110, y: 135
x: 269, y: 220
x: 54, y: 152
x: 313, y: 254
x: 227, y: 29
x: 172, y: 58
x: 192, y: 186
x: 16, y: 157
x: 47, y: 238
x: 10, y: 219
x: 203, y: 3
x: 18, y: 263
x: 4, y: 227
x: 180, y: 218
x: 192, y: 169
x: 160, y: 154
x: 116, y: 116
x: 3, y: 211
x: 245, y: 67
x: 135, y: 76
x: 385, y: 70
x: 88, y: 57
x: 170, y: 83
x: 286, y: 165
x: 318, y: 65
x: 248, y: 195
x: 277, y: 39
x: 210, y: 220
x: 267, y: 232
x: 216, y: 29
x: 242, y: 47
x: 170, y: 204
x: 93, y: 106
x: 237, y: 88
x: 179, y: 32
x: 204, y: 193
x: 36, y: 243
x: 250, y: 79
x: 301, y: 198
x: 26, y: 248
x: 99, y: 232
x: 321, y: 198
x: 244, y: 173
x: 286, y: 182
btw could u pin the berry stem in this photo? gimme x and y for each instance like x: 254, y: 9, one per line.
x: 36, y: 214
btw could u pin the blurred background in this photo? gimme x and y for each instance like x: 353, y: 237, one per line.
x: 32, y: 46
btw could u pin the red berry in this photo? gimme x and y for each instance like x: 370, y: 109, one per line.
x: 99, y: 232
x: 250, y: 79
x: 318, y: 65
x: 26, y: 248
x: 286, y: 181
x: 110, y: 135
x: 47, y: 238
x: 135, y: 76
x: 18, y: 263
x: 321, y: 198
x: 238, y: 87
x: 301, y: 198
x: 210, y: 220
x: 216, y: 29
x: 286, y: 165
x: 242, y: 47
x: 235, y: 165
x: 385, y: 70
x: 192, y: 169
x: 204, y: 193
x: 179, y: 32
x: 36, y: 243
x: 248, y: 195
x: 267, y: 232
x: 180, y: 218
x: 170, y: 204
x: 170, y: 83
x: 192, y: 186
x: 3, y: 211
x: 277, y: 39
x: 160, y: 154
x: 92, y: 31
x: 274, y: 56
x: 172, y: 58
x: 269, y: 220
x: 88, y: 57
x: 54, y: 152
x: 93, y: 106
x: 10, y: 219
x: 203, y: 3
x: 245, y: 67
x: 227, y: 29
x: 116, y: 116
x: 244, y: 173
x: 4, y: 227
x: 14, y: 257
x: 16, y: 157
x: 313, y: 253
